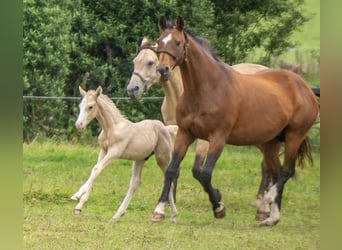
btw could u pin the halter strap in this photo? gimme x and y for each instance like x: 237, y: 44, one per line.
x: 148, y: 46
x: 144, y: 81
x: 176, y: 58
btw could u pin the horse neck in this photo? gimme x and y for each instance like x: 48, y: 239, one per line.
x: 173, y: 89
x: 199, y: 80
x: 108, y: 115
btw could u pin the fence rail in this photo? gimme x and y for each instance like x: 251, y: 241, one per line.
x: 25, y: 97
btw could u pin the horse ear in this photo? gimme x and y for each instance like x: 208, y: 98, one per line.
x: 98, y: 91
x: 82, y: 91
x: 162, y: 23
x: 180, y: 23
x: 144, y: 40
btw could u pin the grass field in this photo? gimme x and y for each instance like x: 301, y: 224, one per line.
x: 54, y: 171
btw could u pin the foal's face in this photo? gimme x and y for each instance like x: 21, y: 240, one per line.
x: 88, y: 108
x: 171, y: 46
x: 144, y: 73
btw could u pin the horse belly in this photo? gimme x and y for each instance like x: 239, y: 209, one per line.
x: 257, y: 131
x: 139, y: 148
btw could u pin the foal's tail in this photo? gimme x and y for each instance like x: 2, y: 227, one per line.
x: 304, y: 152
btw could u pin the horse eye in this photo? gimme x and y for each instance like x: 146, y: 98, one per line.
x: 150, y: 63
x: 178, y: 43
x: 90, y: 107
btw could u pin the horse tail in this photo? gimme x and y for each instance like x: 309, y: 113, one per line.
x: 304, y: 152
x: 316, y: 91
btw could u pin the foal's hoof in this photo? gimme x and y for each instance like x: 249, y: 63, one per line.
x: 74, y: 198
x: 260, y: 216
x: 156, y: 217
x: 77, y: 211
x: 220, y: 211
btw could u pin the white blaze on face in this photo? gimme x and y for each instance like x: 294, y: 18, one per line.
x: 82, y: 117
x: 167, y: 39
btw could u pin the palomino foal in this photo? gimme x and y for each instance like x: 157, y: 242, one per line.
x: 121, y: 138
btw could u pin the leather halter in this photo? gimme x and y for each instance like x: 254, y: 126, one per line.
x: 176, y: 58
x: 144, y: 81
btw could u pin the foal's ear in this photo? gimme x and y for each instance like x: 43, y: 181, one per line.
x: 82, y: 91
x: 162, y: 23
x: 98, y: 91
x: 180, y: 23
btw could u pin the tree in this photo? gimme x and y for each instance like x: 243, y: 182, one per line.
x: 266, y: 25
x: 66, y: 40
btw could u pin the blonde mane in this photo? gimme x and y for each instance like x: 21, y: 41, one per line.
x: 108, y: 105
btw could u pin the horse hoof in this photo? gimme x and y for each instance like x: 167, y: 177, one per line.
x: 173, y: 220
x: 269, y: 222
x: 117, y: 217
x: 156, y: 217
x: 220, y: 212
x: 77, y: 211
x: 74, y: 198
x: 260, y: 216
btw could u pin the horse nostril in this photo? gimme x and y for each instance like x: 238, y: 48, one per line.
x: 163, y: 70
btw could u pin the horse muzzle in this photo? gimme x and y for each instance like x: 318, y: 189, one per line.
x: 164, y: 72
x: 80, y: 125
x: 134, y: 92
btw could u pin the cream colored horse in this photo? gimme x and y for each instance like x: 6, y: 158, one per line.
x: 121, y: 138
x: 145, y: 76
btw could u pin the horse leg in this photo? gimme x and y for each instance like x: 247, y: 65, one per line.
x: 215, y: 150
x: 83, y: 193
x: 270, y: 168
x: 294, y: 143
x: 133, y: 185
x: 202, y: 147
x: 264, y: 184
x: 162, y: 154
x: 182, y: 142
x: 76, y: 196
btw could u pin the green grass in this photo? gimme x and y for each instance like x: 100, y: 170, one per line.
x: 54, y: 171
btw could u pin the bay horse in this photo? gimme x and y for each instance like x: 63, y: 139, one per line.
x: 222, y: 106
x: 122, y: 139
x: 145, y: 76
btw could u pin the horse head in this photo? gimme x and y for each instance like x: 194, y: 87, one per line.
x: 172, y: 46
x: 145, y: 70
x: 88, y: 107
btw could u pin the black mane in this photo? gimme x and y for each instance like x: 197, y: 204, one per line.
x: 203, y: 43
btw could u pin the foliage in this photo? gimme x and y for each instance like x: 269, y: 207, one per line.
x: 46, y: 62
x: 70, y: 43
x: 54, y: 171
x: 245, y: 26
